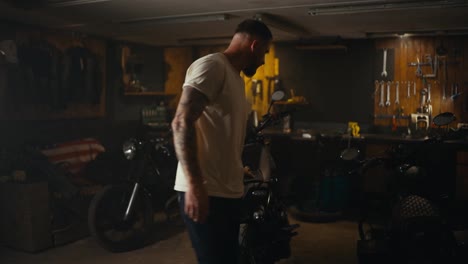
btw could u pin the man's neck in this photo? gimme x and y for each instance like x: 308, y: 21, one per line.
x: 236, y: 59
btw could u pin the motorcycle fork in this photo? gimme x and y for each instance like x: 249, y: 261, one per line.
x: 128, y: 211
x: 135, y: 190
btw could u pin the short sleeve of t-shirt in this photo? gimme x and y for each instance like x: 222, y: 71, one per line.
x: 206, y: 75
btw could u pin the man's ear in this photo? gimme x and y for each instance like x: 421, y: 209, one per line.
x: 254, y: 45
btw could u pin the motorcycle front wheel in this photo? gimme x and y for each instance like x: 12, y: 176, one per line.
x: 252, y: 249
x: 106, y: 219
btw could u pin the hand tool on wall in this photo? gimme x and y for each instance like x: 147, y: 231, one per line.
x: 428, y: 93
x: 384, y: 67
x: 409, y: 89
x: 443, y: 91
x: 382, y: 90
x: 376, y: 88
x: 397, y: 93
x: 259, y: 89
x: 253, y: 88
x: 418, y: 69
x: 446, y: 79
x: 434, y: 66
x: 270, y: 84
x: 387, y: 103
x: 414, y: 88
x: 455, y: 92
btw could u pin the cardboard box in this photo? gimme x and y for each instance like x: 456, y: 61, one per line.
x: 25, y: 216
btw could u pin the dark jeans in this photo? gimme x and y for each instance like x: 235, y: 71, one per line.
x: 216, y: 241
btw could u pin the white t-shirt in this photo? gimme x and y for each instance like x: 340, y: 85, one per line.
x: 221, y: 127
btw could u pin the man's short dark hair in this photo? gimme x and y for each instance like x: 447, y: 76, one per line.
x: 254, y: 27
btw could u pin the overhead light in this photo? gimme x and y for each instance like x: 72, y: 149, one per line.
x: 177, y: 19
x: 62, y: 3
x: 421, y: 33
x: 281, y: 24
x: 366, y: 6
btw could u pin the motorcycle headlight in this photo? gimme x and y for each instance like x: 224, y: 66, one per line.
x: 129, y: 149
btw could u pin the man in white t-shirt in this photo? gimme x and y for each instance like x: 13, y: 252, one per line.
x: 209, y: 130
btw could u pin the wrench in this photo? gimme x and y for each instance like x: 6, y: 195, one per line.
x: 428, y: 93
x: 397, y: 94
x: 376, y: 90
x: 384, y: 67
x: 443, y: 91
x: 387, y: 103
x: 418, y: 69
x: 409, y: 90
x: 382, y: 87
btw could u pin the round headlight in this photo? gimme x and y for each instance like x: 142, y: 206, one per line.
x: 129, y: 149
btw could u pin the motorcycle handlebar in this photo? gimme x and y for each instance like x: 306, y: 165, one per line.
x: 269, y: 118
x: 367, y: 163
x: 248, y: 181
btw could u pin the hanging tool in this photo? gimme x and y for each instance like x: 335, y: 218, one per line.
x: 382, y: 90
x: 443, y: 91
x: 387, y: 103
x: 428, y: 93
x: 414, y: 88
x: 384, y: 67
x: 418, y: 69
x: 455, y: 92
x: 409, y: 89
x: 376, y: 89
x: 397, y: 93
x: 270, y: 84
x: 446, y: 79
x: 259, y: 89
x: 434, y: 66
x: 253, y: 88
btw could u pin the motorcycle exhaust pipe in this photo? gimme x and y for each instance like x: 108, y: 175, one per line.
x: 136, y: 187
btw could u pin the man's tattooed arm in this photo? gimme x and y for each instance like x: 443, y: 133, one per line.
x: 191, y: 105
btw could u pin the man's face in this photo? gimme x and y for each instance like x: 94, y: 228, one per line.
x: 257, y: 56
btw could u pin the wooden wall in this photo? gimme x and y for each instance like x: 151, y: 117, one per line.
x: 452, y: 69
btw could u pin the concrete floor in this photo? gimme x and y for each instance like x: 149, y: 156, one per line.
x: 316, y: 243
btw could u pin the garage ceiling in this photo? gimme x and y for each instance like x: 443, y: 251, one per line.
x: 183, y: 22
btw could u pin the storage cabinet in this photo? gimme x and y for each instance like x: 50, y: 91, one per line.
x: 462, y: 175
x: 25, y: 216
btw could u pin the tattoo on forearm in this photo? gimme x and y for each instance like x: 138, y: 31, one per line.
x: 190, y: 108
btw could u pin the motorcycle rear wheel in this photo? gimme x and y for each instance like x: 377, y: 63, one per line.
x: 106, y: 224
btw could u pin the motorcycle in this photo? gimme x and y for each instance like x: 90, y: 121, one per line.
x: 121, y: 216
x: 409, y: 224
x: 265, y: 232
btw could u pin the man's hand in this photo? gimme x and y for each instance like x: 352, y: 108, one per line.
x: 196, y: 203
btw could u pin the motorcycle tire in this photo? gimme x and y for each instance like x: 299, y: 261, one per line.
x: 250, y: 253
x: 256, y: 247
x: 106, y: 224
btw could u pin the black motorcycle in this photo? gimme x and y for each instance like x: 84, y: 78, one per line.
x: 408, y: 223
x: 265, y: 229
x: 121, y: 216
